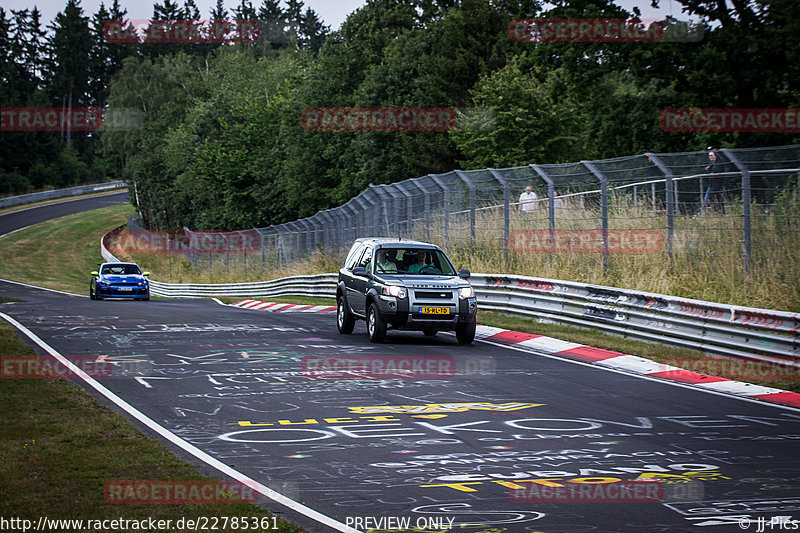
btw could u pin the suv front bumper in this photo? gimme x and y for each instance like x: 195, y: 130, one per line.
x: 403, y: 314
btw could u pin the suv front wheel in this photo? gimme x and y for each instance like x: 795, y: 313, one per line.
x: 344, y: 320
x: 465, y: 333
x: 376, y: 327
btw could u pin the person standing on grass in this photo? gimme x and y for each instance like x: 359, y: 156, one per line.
x: 527, y: 200
x: 714, y: 196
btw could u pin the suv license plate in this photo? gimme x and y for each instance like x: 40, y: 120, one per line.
x: 434, y: 310
x: 125, y: 289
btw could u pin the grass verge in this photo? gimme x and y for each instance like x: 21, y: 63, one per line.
x: 53, y: 437
x: 60, y: 254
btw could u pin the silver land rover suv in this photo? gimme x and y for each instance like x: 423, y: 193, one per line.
x: 404, y: 284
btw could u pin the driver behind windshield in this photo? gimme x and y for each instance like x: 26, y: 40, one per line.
x: 420, y: 263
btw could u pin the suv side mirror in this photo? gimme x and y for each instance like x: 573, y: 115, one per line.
x: 463, y: 273
x: 359, y: 271
x: 93, y: 273
x: 145, y: 273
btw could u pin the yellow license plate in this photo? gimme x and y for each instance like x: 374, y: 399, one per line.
x: 434, y: 310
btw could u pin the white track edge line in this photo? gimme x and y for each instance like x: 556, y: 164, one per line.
x: 178, y: 441
x: 43, y: 288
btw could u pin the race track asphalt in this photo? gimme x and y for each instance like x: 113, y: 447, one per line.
x: 16, y: 220
x: 499, y: 438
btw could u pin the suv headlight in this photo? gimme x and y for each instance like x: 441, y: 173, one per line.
x: 465, y: 293
x: 142, y: 283
x: 395, y: 290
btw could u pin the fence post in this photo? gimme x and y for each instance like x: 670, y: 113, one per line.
x: 746, y: 215
x: 670, y: 201
x: 438, y: 181
x: 427, y: 215
x: 376, y: 216
x: 653, y: 196
x: 244, y: 252
x: 263, y: 251
x: 603, y: 208
x: 506, y: 212
x: 382, y: 195
x: 472, y: 204
x: 409, y: 208
x: 361, y: 217
x: 551, y: 204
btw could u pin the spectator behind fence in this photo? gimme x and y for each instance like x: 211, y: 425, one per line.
x: 558, y: 203
x: 527, y: 200
x: 714, y: 197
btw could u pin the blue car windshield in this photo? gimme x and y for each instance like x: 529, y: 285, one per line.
x: 120, y: 269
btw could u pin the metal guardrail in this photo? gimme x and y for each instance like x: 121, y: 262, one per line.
x: 747, y: 332
x: 318, y: 286
x: 12, y: 201
x: 760, y: 334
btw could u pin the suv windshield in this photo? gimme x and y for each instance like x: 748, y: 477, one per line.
x: 412, y: 261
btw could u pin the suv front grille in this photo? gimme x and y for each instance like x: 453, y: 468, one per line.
x: 446, y: 294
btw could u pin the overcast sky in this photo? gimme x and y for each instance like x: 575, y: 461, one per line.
x: 333, y: 12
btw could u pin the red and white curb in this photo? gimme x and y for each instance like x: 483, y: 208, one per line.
x: 284, y: 308
x: 636, y: 365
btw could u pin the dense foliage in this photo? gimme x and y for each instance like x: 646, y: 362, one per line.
x: 221, y: 144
